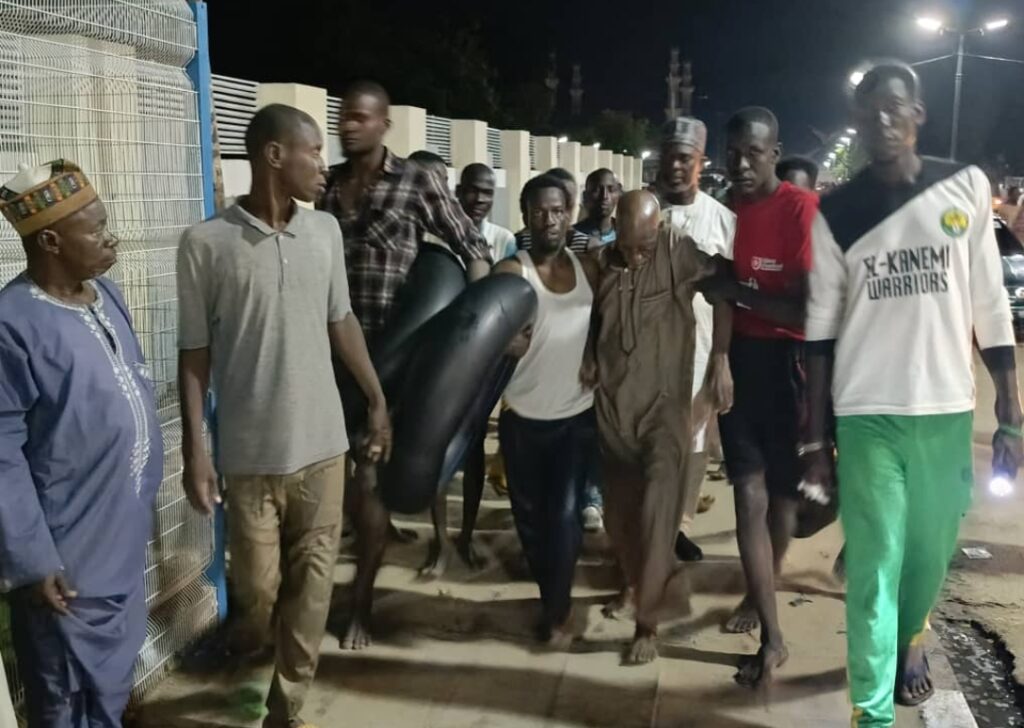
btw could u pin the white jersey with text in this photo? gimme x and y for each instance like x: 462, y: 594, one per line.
x: 904, y: 279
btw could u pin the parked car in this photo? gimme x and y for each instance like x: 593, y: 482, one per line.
x: 1012, y: 251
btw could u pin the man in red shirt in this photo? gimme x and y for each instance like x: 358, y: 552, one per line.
x: 760, y: 436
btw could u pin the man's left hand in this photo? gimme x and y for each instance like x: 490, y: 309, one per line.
x: 378, y: 439
x: 719, y: 383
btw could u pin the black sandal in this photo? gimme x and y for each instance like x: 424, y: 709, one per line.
x: 908, y: 702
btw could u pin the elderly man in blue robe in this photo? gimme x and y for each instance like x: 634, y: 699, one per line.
x: 80, y: 456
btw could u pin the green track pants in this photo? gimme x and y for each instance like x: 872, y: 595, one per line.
x: 904, y: 485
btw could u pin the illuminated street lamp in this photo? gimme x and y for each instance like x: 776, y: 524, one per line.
x: 645, y: 154
x: 851, y: 131
x: 935, y: 25
x: 563, y: 139
x: 597, y: 145
x: 856, y: 77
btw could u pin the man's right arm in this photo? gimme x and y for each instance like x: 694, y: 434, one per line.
x: 199, y: 477
x: 826, y: 284
x: 28, y: 555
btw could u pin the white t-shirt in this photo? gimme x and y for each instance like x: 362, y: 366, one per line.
x: 546, y: 383
x: 903, y: 280
x: 501, y: 240
x: 712, y: 226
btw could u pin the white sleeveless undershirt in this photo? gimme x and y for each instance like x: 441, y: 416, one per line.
x: 546, y: 383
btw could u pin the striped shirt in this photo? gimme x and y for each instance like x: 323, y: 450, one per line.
x: 382, y: 237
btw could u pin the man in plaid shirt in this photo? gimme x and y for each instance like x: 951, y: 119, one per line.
x: 384, y: 205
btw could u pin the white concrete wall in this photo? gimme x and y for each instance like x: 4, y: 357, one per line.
x: 237, y: 176
x: 408, y: 133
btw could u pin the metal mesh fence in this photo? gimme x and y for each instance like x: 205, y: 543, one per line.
x: 102, y: 82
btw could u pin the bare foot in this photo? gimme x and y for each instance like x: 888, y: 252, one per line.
x: 470, y: 556
x: 358, y: 635
x: 438, y: 555
x: 644, y: 648
x: 744, y: 619
x: 914, y: 679
x: 758, y: 669
x: 619, y: 607
x: 401, y: 535
x: 558, y: 637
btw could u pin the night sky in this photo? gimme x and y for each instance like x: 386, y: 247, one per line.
x: 790, y: 55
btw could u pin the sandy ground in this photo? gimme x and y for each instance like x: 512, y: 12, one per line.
x: 457, y: 652
x: 991, y: 592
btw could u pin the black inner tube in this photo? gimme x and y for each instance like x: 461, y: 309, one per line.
x: 455, y: 361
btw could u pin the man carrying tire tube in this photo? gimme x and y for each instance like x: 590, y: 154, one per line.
x: 547, y: 429
x: 643, y: 349
x: 385, y: 207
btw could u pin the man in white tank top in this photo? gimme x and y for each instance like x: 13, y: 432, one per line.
x: 547, y: 429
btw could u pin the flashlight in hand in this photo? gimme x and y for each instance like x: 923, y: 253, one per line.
x: 1000, y: 486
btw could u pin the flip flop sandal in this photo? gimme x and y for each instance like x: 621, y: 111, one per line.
x: 907, y: 702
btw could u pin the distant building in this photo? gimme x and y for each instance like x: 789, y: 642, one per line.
x: 680, y: 87
x: 576, y: 91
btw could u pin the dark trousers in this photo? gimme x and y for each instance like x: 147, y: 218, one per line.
x: 546, y: 467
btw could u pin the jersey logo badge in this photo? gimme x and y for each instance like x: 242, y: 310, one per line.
x: 768, y: 265
x: 954, y: 222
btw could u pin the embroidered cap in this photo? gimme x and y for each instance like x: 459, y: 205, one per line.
x: 39, y: 196
x: 687, y: 131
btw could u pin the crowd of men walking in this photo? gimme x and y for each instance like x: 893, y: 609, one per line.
x: 803, y: 326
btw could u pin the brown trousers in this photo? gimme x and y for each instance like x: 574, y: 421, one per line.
x: 643, y: 475
x: 693, y: 479
x: 284, y: 532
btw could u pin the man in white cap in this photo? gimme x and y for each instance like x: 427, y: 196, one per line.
x: 712, y: 226
x: 81, y: 456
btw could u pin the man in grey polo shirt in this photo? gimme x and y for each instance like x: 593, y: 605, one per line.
x: 264, y: 302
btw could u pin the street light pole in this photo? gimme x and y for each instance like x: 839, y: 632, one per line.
x: 936, y: 25
x: 957, y: 89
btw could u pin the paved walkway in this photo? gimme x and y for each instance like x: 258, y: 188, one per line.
x: 456, y: 653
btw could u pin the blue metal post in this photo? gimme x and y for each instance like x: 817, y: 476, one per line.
x: 199, y: 72
x: 202, y: 79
